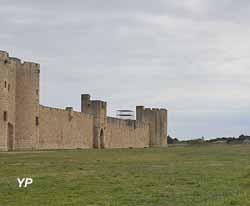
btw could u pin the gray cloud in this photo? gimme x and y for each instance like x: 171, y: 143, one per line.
x: 191, y: 57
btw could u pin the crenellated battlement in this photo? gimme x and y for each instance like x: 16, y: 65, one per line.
x: 96, y: 107
x: 31, y: 67
x: 141, y: 112
x: 15, y: 60
x: 152, y: 109
x: 31, y: 64
x: 4, y: 55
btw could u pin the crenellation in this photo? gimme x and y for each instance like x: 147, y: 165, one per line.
x: 30, y: 64
x: 4, y: 55
x: 15, y: 60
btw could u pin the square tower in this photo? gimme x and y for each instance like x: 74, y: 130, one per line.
x: 19, y: 103
x: 98, y: 109
x: 158, y: 123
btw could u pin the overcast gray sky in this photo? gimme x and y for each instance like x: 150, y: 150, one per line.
x: 190, y: 56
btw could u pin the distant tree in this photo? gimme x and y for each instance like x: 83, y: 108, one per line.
x: 241, y: 137
x: 244, y: 137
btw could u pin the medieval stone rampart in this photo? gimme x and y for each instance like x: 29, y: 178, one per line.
x: 65, y: 129
x: 27, y: 125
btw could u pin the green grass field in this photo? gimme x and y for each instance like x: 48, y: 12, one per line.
x: 175, y: 176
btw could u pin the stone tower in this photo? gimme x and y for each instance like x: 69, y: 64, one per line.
x: 19, y: 103
x: 98, y: 109
x: 7, y: 101
x: 157, y: 120
x: 27, y: 105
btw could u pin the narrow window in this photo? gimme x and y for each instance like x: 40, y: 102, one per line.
x: 5, y: 116
x: 37, y: 91
x: 8, y: 87
x: 5, y: 84
x: 37, y: 121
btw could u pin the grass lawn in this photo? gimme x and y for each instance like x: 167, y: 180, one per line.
x: 175, y: 176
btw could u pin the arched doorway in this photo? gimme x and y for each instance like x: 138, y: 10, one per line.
x: 10, y: 140
x: 99, y: 139
x: 102, y: 144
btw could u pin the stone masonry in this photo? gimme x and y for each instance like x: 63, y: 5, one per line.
x: 27, y: 125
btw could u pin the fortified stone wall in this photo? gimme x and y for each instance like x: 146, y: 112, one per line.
x: 65, y: 129
x: 126, y: 134
x: 26, y: 125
